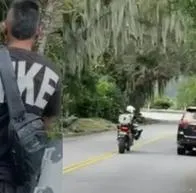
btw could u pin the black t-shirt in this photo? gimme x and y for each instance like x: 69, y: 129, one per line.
x: 39, y: 85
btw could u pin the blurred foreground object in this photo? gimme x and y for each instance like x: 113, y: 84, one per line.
x: 52, y: 166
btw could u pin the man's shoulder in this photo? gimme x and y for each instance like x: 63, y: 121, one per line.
x: 32, y: 57
x: 47, y: 62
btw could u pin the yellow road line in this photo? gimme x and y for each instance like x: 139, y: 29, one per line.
x: 91, y: 162
x: 154, y: 140
x: 105, y: 156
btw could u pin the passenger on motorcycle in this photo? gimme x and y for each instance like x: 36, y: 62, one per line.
x: 129, y: 118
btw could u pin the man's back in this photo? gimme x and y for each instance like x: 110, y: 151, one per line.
x: 125, y: 118
x: 39, y: 87
x: 37, y: 80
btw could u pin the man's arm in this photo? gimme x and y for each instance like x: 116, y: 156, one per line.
x: 53, y: 108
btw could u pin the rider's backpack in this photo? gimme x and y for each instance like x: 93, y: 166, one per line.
x: 26, y: 130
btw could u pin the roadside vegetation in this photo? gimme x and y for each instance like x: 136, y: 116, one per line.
x: 187, y: 93
x: 112, y: 53
x: 88, y: 126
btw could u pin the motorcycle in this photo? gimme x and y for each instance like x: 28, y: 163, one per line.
x: 125, y: 138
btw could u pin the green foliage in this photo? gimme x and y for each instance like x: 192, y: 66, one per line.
x: 187, y: 93
x: 134, y: 59
x: 105, y: 87
x: 115, y: 53
x: 101, y: 99
x: 110, y: 99
x: 161, y: 103
x: 188, y: 7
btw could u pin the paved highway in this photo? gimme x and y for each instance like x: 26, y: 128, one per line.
x: 92, y: 164
x: 174, y: 117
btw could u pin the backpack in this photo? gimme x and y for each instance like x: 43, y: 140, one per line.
x: 25, y: 130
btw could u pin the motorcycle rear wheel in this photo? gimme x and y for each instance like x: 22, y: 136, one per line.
x: 121, y: 146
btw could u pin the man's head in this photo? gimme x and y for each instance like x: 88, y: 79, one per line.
x: 23, y: 22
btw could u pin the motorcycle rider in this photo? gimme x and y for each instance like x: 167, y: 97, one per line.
x: 129, y: 118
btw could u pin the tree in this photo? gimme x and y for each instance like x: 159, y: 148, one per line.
x: 137, y: 43
x: 96, y: 31
x: 188, y: 7
x: 3, y: 10
x: 90, y: 30
x: 187, y: 93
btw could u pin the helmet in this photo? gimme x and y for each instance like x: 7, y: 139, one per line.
x: 130, y: 109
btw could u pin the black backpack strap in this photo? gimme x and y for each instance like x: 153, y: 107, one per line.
x: 15, y: 104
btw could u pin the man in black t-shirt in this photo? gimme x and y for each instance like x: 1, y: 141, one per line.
x: 37, y: 79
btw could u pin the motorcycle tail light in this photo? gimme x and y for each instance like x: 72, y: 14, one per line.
x: 126, y: 129
x: 184, y: 124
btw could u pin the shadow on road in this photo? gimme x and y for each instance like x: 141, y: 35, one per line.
x: 151, y: 153
x: 172, y: 153
x: 193, y: 153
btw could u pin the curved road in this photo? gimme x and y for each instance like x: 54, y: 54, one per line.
x: 93, y: 166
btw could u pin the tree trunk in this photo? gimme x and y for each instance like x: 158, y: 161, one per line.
x: 48, y: 22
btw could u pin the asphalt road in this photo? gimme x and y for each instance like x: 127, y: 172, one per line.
x: 93, y: 166
x: 174, y: 117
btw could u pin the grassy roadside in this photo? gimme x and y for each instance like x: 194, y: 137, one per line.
x: 86, y: 126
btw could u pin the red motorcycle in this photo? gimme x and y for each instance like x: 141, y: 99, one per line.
x: 125, y: 138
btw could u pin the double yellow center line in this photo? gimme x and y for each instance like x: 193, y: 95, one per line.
x: 108, y: 155
x: 88, y: 162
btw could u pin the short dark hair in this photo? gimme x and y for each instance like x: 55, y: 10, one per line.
x: 25, y: 19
